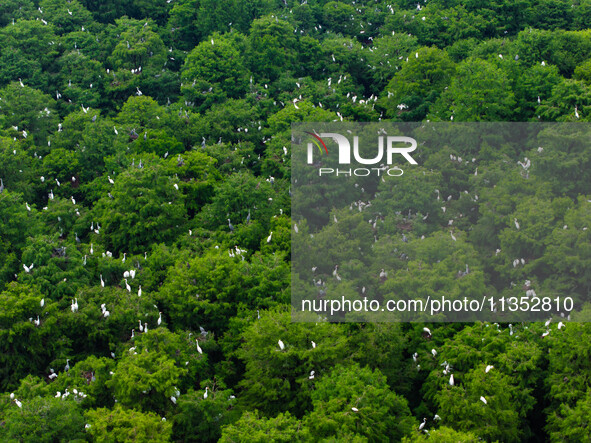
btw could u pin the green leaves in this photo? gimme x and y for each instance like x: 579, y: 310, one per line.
x: 354, y: 401
x: 214, y: 70
x: 120, y: 425
x: 145, y: 208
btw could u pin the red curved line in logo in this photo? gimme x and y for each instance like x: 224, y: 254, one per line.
x: 319, y: 139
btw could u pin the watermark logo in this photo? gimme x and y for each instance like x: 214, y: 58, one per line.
x: 387, y: 148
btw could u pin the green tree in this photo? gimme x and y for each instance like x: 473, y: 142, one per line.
x: 355, y: 401
x: 271, y: 47
x: 215, y: 70
x: 30, y: 110
x: 43, y: 420
x: 123, y: 425
x: 145, y: 380
x: 480, y: 91
x: 418, y: 84
x: 145, y: 208
x: 25, y: 345
x: 253, y: 428
x: 200, y: 419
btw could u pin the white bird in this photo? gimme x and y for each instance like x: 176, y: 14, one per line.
x: 28, y: 207
x: 576, y: 112
x: 269, y: 237
x: 139, y: 291
x: 198, y: 347
x: 436, y: 417
x: 451, y: 380
x: 206, y: 388
x: 483, y: 400
x: 313, y: 345
x: 102, y: 281
x: 42, y: 302
x: 453, y: 237
x: 422, y: 425
x: 516, y: 223
x: 281, y: 345
x: 176, y: 186
x: 560, y: 325
x: 69, y: 12
x: 110, y: 180
x: 159, y: 321
x: 427, y: 330
x: 18, y: 403
x: 28, y: 268
x: 488, y: 368
x: 434, y: 352
x: 115, y: 129
x: 355, y: 409
x: 127, y: 286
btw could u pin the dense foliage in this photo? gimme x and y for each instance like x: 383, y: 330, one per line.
x: 145, y: 220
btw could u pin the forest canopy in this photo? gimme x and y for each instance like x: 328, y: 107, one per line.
x: 145, y: 221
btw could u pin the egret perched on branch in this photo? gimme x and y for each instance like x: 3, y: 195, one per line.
x: 422, y: 425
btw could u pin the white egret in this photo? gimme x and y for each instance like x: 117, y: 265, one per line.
x: 422, y: 425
